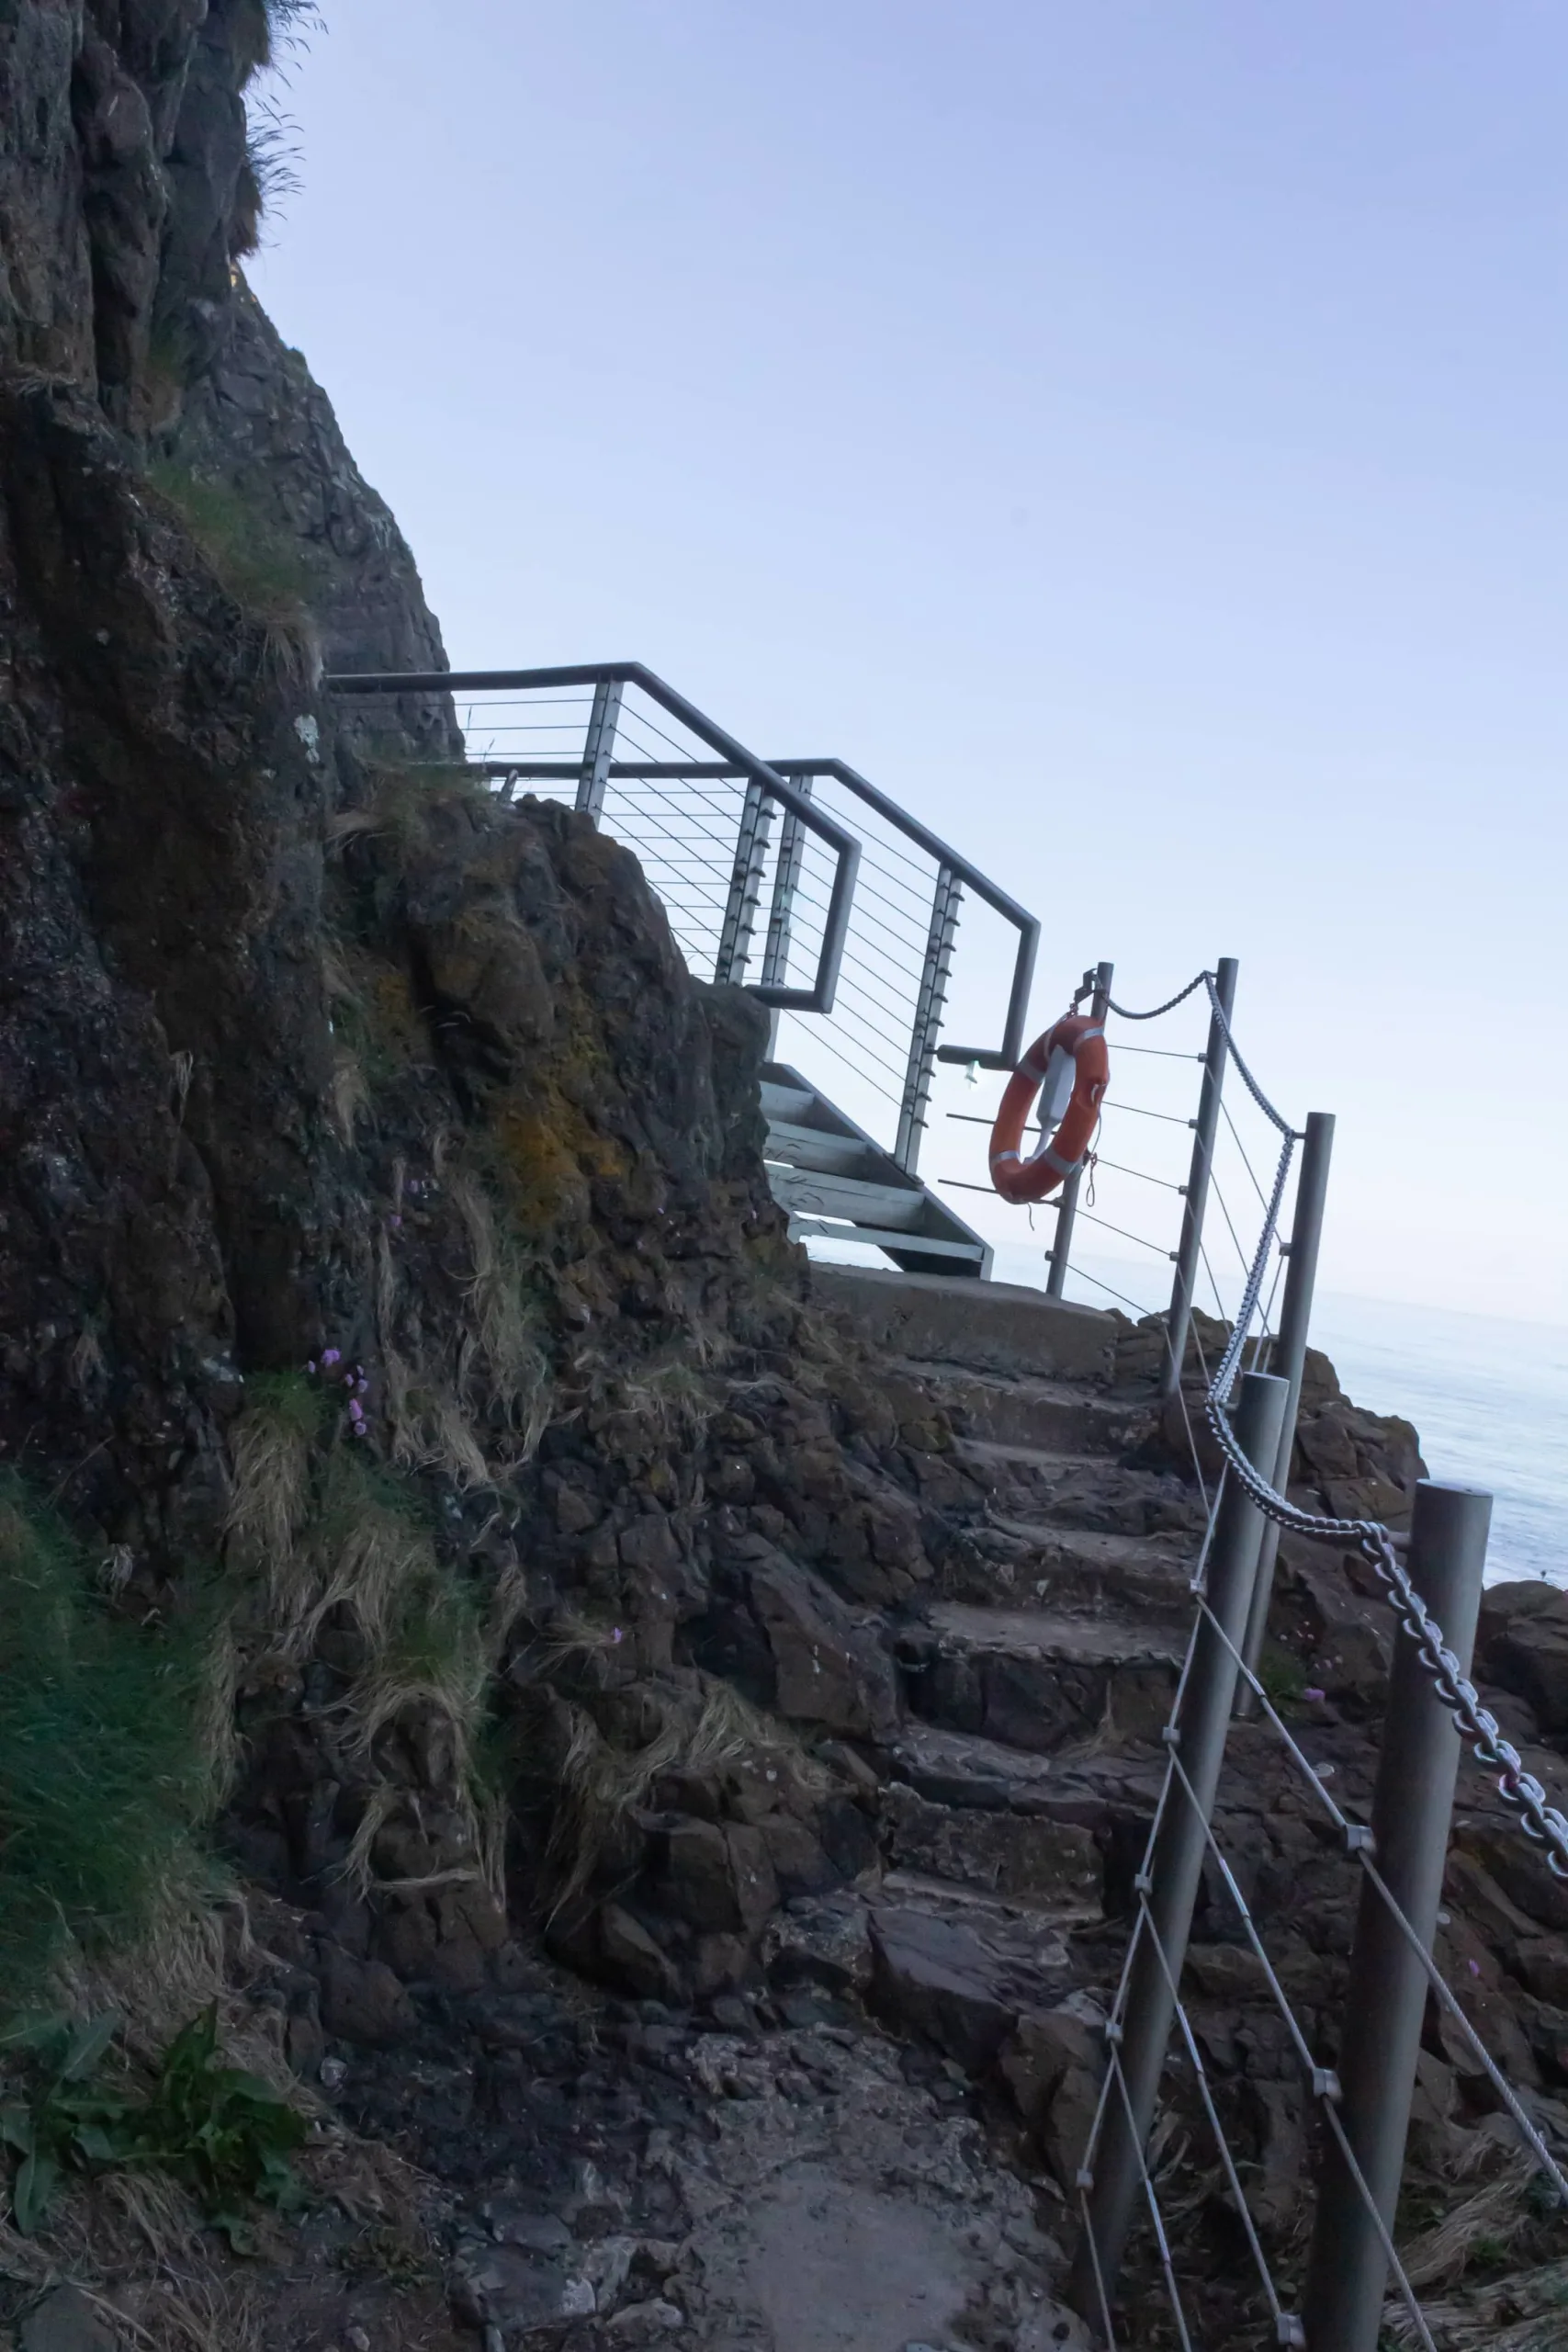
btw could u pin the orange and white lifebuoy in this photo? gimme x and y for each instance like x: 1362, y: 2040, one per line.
x: 1069, y: 1068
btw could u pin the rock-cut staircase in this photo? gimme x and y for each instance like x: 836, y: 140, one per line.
x: 1018, y: 1792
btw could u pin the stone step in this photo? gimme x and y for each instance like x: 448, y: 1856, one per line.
x: 1019, y: 1563
x: 1090, y: 1787
x: 1058, y: 1416
x: 960, y: 1967
x: 988, y: 1326
x: 1033, y: 1483
x: 1040, y: 1678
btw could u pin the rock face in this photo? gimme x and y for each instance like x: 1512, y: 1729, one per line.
x: 255, y: 427
x: 388, y: 1277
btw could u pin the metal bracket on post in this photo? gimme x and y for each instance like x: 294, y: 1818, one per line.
x: 1098, y: 986
x: 1178, y: 1320
x: 598, y: 747
x: 1385, y: 1994
x: 946, y: 901
x: 745, y: 884
x: 1288, y: 1357
x: 1175, y: 1864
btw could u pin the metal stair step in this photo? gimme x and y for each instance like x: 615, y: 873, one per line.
x: 896, y: 1208
x: 814, y: 1148
x: 925, y: 1244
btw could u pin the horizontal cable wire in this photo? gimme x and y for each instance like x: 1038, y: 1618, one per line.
x: 1159, y: 1252
x: 1407, y: 2292
x: 1226, y: 1114
x: 1161, y: 2242
x: 1138, y: 1113
x: 1223, y: 2144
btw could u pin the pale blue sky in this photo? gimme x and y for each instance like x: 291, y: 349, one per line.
x: 1132, y: 434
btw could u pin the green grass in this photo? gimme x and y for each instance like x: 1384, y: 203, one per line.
x: 260, y: 566
x: 103, y: 1774
x: 1282, y: 1677
x: 225, y: 2134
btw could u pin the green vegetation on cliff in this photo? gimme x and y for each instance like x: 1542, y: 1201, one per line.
x: 103, y: 1774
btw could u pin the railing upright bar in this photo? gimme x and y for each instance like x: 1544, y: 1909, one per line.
x: 1178, y: 1319
x: 946, y: 901
x: 745, y: 884
x: 598, y: 747
x: 1169, y: 1881
x: 1067, y: 1198
x: 1385, y: 1994
x: 787, y: 881
x: 1288, y: 1358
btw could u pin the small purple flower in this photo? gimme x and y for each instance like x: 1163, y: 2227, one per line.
x: 330, y: 1356
x: 394, y: 1221
x: 1314, y: 1694
x: 358, y: 1428
x: 310, y: 1367
x: 617, y: 1634
x: 355, y: 1409
x: 1476, y: 1968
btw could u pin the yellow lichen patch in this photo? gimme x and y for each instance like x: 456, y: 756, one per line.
x: 548, y: 1153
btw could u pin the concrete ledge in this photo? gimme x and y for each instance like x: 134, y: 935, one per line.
x: 992, y: 1327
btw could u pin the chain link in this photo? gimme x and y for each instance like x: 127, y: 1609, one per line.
x: 1168, y: 1006
x: 1539, y: 1821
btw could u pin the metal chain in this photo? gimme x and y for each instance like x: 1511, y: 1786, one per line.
x: 1168, y: 1006
x: 1539, y: 1821
x: 1246, y: 1078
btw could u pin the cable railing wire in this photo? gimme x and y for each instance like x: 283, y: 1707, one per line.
x: 1540, y: 1823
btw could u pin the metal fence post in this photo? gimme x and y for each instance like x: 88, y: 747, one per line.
x: 946, y: 901
x: 1168, y: 1886
x: 1386, y: 1996
x: 745, y: 884
x: 1067, y: 1198
x: 598, y: 747
x: 787, y: 881
x: 1178, y: 1320
x: 1288, y: 1357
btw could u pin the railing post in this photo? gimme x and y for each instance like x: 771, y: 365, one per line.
x: 1206, y: 1123
x: 1067, y: 1198
x: 946, y: 901
x: 598, y: 747
x: 1167, y: 1885
x: 1385, y: 1994
x: 1288, y: 1358
x: 787, y: 881
x: 745, y: 884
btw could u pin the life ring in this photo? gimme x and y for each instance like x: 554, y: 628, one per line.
x: 1075, y: 1045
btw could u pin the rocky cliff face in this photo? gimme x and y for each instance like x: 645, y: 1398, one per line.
x: 390, y: 1291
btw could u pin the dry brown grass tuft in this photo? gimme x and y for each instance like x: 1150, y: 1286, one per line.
x: 505, y: 1330
x: 602, y: 1786
x: 272, y: 1446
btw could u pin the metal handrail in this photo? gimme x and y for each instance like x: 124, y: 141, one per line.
x: 788, y: 784
x: 1011, y: 1051
x: 736, y: 759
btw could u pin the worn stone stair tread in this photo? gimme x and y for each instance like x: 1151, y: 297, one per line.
x: 1045, y: 1632
x: 1107, y: 1548
x: 977, y: 1775
x: 991, y: 1327
x: 1027, y: 1408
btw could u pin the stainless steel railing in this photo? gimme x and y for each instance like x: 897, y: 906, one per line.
x: 795, y: 878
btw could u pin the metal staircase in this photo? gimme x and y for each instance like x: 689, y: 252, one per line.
x: 794, y: 878
x: 837, y: 1184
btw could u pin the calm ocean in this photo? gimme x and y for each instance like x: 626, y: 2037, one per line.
x: 1489, y: 1397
